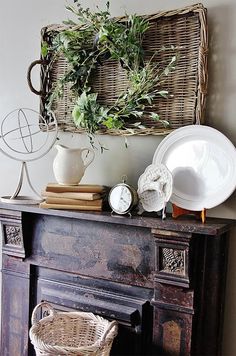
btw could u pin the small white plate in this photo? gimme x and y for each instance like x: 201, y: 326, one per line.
x: 154, y: 187
x: 203, y: 165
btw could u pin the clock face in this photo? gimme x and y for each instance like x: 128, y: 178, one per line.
x: 120, y: 199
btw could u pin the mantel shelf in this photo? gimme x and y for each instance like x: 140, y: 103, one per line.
x: 190, y: 224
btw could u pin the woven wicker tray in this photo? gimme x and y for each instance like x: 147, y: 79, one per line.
x: 185, y: 28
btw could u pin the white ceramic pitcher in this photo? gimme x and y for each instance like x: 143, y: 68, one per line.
x: 69, y: 166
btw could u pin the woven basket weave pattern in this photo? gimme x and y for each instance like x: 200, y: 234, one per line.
x: 71, y: 333
x: 185, y: 29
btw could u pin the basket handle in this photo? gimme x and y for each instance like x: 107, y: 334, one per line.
x: 112, y: 324
x: 40, y: 305
x: 32, y: 65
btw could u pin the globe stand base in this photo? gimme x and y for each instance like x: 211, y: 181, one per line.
x: 21, y: 199
x: 25, y: 200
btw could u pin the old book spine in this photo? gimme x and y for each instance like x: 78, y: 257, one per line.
x: 72, y: 195
x: 61, y: 200
x: 70, y: 207
x: 86, y: 188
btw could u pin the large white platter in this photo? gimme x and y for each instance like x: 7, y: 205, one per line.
x: 203, y: 165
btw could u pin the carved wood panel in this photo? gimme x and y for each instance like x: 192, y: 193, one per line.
x: 172, y: 261
x: 12, y: 238
x: 172, y: 258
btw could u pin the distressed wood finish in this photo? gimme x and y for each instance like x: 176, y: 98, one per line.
x: 15, y: 309
x: 163, y: 281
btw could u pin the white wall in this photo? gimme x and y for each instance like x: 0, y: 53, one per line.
x: 20, y: 24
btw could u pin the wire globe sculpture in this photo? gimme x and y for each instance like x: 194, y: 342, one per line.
x: 26, y: 136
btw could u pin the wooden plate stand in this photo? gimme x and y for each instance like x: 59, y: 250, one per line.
x: 177, y: 211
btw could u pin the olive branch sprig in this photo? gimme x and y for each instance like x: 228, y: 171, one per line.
x: 89, y: 41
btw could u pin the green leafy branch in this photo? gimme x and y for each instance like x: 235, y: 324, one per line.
x: 89, y: 41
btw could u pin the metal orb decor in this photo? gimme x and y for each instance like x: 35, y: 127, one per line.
x: 26, y: 136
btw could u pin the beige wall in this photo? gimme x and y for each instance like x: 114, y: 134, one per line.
x: 20, y: 24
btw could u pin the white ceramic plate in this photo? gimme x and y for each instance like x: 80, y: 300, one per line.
x: 203, y: 165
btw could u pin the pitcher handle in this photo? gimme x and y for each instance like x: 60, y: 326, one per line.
x: 91, y: 158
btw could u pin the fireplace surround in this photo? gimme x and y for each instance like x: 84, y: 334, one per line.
x: 164, y: 281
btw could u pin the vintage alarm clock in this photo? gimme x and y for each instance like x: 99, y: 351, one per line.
x: 122, y: 198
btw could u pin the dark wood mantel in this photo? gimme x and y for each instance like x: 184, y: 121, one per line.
x: 164, y: 281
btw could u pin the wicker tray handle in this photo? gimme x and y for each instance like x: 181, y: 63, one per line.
x: 112, y: 324
x: 40, y: 305
x: 32, y: 65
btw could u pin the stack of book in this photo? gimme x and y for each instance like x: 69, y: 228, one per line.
x: 73, y: 197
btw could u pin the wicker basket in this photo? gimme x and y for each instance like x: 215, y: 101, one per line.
x: 71, y: 333
x: 185, y: 28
